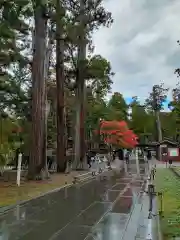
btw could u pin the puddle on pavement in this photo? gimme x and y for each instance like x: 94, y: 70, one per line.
x: 92, y: 214
x: 123, y: 205
x: 110, y: 227
x: 132, y: 192
x: 140, y: 199
x: 137, y: 183
x: 119, y: 186
x: 110, y: 196
x: 139, y: 177
x: 15, y: 231
x: 4, y: 233
x: 73, y: 232
x: 124, y: 181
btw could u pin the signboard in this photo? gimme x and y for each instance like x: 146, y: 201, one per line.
x: 173, y: 152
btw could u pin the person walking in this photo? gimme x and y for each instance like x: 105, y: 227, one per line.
x: 149, y: 155
x: 170, y: 163
x: 120, y: 154
x: 145, y: 155
x: 69, y: 160
x: 89, y: 156
x: 127, y: 157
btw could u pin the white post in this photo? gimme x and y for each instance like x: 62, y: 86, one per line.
x: 125, y: 167
x: 97, y: 162
x: 137, y: 161
x: 19, y: 169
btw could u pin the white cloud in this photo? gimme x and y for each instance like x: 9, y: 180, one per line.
x: 141, y: 44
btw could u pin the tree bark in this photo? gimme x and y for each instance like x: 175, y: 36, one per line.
x: 80, y: 98
x: 46, y: 75
x: 78, y: 121
x: 38, y: 93
x: 158, y: 126
x: 82, y: 127
x: 159, y: 133
x: 60, y: 79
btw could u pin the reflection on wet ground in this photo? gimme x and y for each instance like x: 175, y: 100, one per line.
x: 98, y: 210
x: 123, y: 205
x: 110, y: 227
x: 119, y: 187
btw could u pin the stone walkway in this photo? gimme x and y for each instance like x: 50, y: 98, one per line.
x: 106, y: 208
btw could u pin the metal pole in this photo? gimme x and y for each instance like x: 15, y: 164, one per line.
x: 125, y: 167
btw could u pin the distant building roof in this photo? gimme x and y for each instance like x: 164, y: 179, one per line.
x: 169, y: 141
x: 154, y: 144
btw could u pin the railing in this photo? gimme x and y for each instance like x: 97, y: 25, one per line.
x: 97, y: 168
x: 82, y: 177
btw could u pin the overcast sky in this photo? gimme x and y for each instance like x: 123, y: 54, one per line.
x: 141, y: 44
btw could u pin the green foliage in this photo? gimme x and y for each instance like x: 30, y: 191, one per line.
x: 168, y: 124
x: 15, y: 72
x: 142, y: 120
x: 12, y: 27
x: 100, y: 75
x: 6, y: 153
x: 7, y: 140
x: 14, y: 31
x: 157, y: 97
x: 118, y: 108
x: 15, y: 92
x: 6, y: 128
x: 96, y: 110
x: 174, y: 105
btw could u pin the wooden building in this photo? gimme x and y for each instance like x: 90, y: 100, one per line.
x: 169, y: 150
x: 165, y: 150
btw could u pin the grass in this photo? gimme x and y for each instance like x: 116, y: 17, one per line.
x: 11, y: 194
x: 167, y: 183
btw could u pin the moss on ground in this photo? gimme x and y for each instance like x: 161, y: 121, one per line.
x: 167, y: 183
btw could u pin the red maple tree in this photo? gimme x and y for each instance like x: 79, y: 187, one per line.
x: 118, y: 133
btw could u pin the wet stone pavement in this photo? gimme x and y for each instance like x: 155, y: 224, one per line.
x: 100, y: 209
